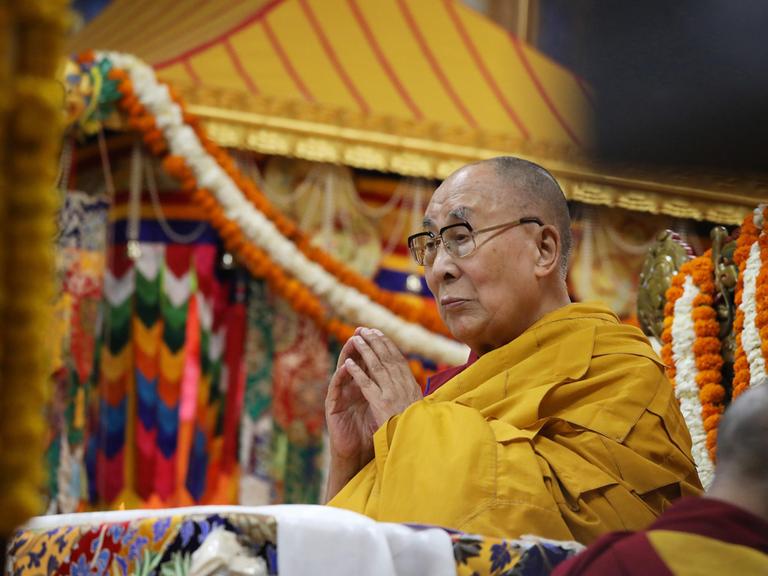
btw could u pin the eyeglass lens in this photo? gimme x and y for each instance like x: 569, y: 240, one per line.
x: 458, y: 241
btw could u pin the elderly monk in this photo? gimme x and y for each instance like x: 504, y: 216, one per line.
x: 561, y: 425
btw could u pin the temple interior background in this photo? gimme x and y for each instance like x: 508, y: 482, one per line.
x: 181, y: 370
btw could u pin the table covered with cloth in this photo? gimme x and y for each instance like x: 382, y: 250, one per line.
x: 264, y: 540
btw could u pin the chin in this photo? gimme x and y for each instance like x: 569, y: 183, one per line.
x: 463, y: 333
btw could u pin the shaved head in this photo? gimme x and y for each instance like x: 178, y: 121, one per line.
x: 534, y: 191
x: 742, y: 438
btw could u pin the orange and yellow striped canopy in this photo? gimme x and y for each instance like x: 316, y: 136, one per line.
x: 392, y: 64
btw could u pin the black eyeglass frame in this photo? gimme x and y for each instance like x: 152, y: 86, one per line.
x: 473, y: 233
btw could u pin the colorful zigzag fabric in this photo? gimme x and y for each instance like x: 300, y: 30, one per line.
x: 165, y: 412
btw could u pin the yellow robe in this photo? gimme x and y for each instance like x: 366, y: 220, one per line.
x: 569, y: 431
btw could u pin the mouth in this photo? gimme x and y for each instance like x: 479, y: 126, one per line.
x: 447, y: 303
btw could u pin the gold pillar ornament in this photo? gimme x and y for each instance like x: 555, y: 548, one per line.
x: 31, y: 113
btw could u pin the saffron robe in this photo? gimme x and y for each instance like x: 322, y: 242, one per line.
x: 695, y: 536
x: 569, y: 431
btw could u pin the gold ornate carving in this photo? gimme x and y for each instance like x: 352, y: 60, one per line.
x: 661, y: 264
x: 318, y: 150
x: 682, y: 209
x: 367, y: 157
x: 726, y: 277
x: 312, y: 132
x: 589, y: 193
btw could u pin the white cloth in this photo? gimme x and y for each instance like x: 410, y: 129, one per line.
x: 316, y: 539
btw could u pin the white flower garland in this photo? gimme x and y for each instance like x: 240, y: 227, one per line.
x: 750, y: 336
x: 346, y: 301
x: 686, y: 388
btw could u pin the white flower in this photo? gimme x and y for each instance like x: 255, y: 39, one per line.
x: 750, y: 336
x: 353, y: 306
x: 686, y: 388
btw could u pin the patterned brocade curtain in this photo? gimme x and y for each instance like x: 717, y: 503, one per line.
x: 80, y: 258
x: 282, y: 436
x: 166, y: 409
x: 175, y: 372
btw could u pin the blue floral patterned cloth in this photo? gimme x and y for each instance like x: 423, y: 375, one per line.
x: 146, y: 547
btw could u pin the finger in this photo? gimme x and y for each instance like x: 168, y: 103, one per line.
x: 376, y: 340
x: 347, y: 351
x: 394, y: 351
x: 384, y: 347
x: 340, y: 378
x: 368, y: 387
x: 369, y: 358
x: 382, y: 407
x: 395, y: 362
x: 334, y: 387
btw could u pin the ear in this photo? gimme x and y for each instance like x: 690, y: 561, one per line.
x: 548, y: 255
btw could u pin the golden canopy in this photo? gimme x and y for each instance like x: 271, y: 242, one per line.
x: 417, y: 87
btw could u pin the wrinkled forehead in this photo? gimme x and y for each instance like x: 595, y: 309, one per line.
x: 439, y: 214
x: 470, y: 200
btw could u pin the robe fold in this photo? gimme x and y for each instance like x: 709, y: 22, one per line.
x: 569, y: 431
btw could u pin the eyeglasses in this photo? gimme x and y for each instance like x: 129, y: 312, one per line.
x: 458, y: 239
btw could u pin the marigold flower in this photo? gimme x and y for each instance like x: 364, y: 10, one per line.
x: 710, y: 393
x: 706, y: 346
x: 703, y: 313
x: 710, y: 362
x: 707, y: 329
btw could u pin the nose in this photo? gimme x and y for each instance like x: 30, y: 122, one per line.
x: 443, y: 267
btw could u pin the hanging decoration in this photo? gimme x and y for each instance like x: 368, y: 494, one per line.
x: 692, y: 347
x: 256, y: 426
x: 320, y: 198
x: 610, y: 245
x: 268, y: 244
x: 80, y: 260
x: 751, y: 324
x: 692, y: 353
x: 111, y: 466
x: 171, y: 383
x: 147, y: 327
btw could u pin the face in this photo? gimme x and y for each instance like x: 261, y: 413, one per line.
x: 489, y: 297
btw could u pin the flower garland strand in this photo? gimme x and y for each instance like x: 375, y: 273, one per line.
x: 754, y: 327
x: 33, y: 117
x: 692, y: 353
x: 748, y: 238
x: 404, y: 307
x: 761, y: 291
x: 162, y: 123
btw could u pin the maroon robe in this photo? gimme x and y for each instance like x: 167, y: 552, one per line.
x: 632, y: 553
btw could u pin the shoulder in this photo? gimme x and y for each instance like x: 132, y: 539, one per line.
x: 614, y: 553
x: 623, y: 339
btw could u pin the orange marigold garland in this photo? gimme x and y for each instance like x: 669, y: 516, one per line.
x: 692, y: 353
x: 761, y: 294
x: 747, y: 237
x: 427, y: 316
x: 707, y: 348
x: 256, y: 260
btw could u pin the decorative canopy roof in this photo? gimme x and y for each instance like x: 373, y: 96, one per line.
x: 413, y: 87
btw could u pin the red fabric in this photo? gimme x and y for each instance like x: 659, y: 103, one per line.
x: 617, y: 553
x: 178, y: 258
x: 716, y: 519
x: 118, y: 260
x: 631, y: 554
x: 439, y: 378
x: 145, y: 441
